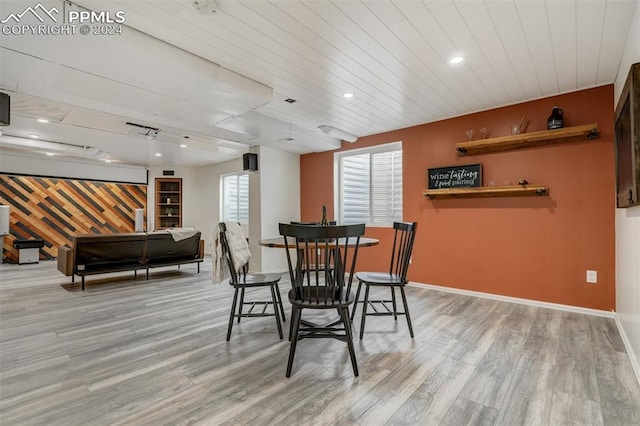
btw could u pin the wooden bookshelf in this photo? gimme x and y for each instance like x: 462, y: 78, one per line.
x: 527, y: 140
x: 168, y: 203
x: 487, y: 192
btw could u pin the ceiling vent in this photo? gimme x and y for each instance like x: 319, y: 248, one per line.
x: 142, y: 130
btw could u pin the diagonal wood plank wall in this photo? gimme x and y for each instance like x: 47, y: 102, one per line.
x: 57, y: 209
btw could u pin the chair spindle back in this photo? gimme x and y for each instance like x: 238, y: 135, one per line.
x: 323, y: 270
x: 404, y: 235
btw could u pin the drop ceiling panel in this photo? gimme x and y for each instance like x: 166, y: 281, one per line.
x: 489, y: 43
x: 533, y: 18
x: 436, y: 50
x: 507, y: 22
x: 613, y: 40
x: 562, y: 26
x: 31, y: 76
x: 589, y: 23
x: 344, y: 51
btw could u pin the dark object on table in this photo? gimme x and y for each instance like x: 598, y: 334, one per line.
x: 327, y: 286
x: 240, y: 280
x: 324, y: 221
x: 396, y: 277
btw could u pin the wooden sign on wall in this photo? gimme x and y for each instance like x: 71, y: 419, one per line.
x: 455, y: 176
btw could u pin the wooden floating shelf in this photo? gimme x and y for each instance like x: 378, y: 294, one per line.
x: 487, y: 191
x: 526, y: 140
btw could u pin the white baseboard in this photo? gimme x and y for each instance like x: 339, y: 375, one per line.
x: 627, y: 345
x: 548, y: 305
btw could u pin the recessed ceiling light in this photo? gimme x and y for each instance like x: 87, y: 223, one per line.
x: 183, y: 145
x: 158, y: 154
x: 456, y: 59
x: 43, y: 120
x: 34, y: 136
x: 107, y: 160
x: 348, y: 95
x: 49, y: 154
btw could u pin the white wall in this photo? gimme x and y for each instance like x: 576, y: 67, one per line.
x: 628, y: 223
x: 207, y: 192
x: 274, y: 197
x: 280, y: 201
x: 190, y: 196
x: 39, y: 165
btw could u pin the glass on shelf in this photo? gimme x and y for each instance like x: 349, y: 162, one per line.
x: 470, y: 134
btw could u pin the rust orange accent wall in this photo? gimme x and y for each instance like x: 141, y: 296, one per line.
x: 535, y: 248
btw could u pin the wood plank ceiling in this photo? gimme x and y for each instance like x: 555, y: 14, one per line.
x: 394, y: 56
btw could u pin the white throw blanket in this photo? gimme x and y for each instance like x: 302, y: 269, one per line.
x: 238, y: 249
x: 179, y: 234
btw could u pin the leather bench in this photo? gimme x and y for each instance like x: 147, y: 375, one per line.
x: 104, y: 253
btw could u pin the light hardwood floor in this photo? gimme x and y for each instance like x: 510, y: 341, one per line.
x: 153, y: 352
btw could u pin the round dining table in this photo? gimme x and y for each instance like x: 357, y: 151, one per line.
x: 279, y: 242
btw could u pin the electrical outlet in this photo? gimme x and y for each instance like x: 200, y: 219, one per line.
x: 592, y: 277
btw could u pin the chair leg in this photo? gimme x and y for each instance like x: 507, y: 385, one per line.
x: 293, y: 320
x: 284, y: 318
x: 233, y: 311
x: 241, y: 304
x: 393, y: 301
x: 355, y: 302
x: 276, y: 310
x: 364, y: 310
x: 406, y: 310
x: 344, y: 314
x: 296, y: 315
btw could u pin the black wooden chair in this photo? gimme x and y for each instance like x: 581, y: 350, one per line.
x: 404, y: 234
x: 327, y: 285
x: 240, y: 280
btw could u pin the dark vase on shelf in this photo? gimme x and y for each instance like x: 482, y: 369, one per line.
x: 555, y: 120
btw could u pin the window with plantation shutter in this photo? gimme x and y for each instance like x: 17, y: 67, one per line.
x: 235, y: 198
x: 369, y: 185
